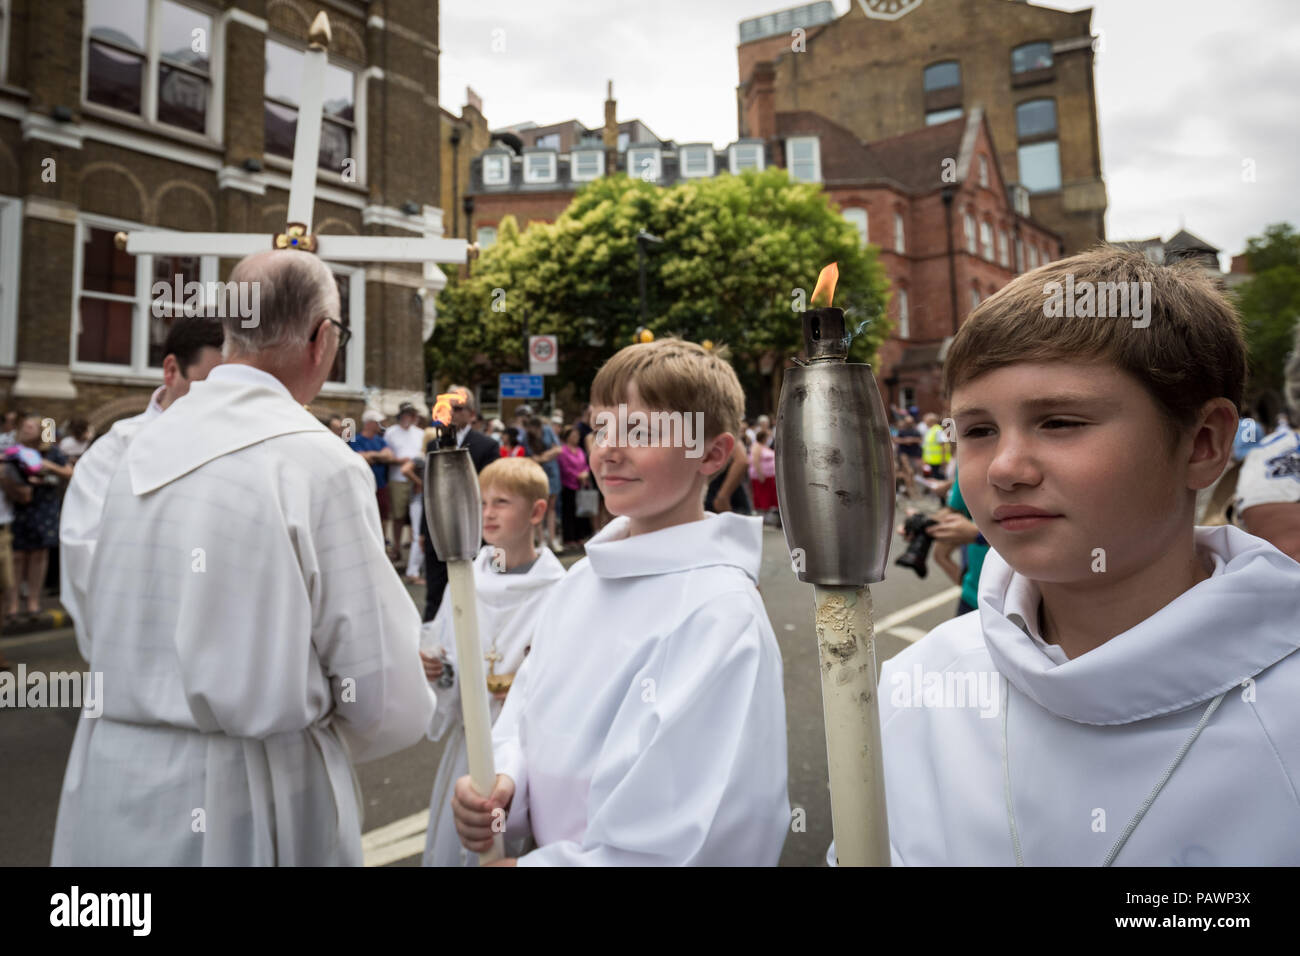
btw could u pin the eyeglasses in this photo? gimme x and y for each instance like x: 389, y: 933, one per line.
x: 345, y: 333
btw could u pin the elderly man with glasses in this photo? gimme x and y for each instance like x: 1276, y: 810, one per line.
x: 253, y: 637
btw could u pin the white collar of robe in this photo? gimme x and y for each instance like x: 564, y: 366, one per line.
x: 725, y: 539
x: 1239, y: 621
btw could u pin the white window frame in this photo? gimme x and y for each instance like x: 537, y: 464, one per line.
x: 354, y: 370
x: 359, y: 85
x: 490, y: 161
x: 863, y: 227
x: 968, y: 225
x: 636, y: 167
x: 140, y: 313
x: 900, y: 233
x: 1004, y: 249
x: 684, y: 152
x: 904, y: 316
x: 11, y: 237
x: 734, y: 160
x: 551, y: 164
x: 974, y: 297
x: 986, y: 239
x: 1033, y: 257
x: 215, y: 120
x: 1020, y: 255
x: 790, y: 161
x: 576, y: 154
x: 491, y: 240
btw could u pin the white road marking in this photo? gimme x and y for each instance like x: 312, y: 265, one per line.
x: 907, y: 632
x: 401, y: 850
x: 919, y: 608
x: 395, y: 841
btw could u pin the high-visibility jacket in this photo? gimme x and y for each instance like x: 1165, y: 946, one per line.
x: 933, y: 449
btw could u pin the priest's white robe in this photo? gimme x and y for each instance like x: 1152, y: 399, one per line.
x: 509, y: 606
x: 252, y: 636
x: 1070, y: 749
x: 83, y: 506
x: 647, y: 724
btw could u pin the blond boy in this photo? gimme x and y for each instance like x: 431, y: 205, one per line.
x: 512, y: 580
x: 647, y: 726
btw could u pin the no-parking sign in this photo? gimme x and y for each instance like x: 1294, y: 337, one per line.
x: 543, y: 353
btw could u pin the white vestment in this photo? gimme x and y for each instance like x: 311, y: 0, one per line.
x: 83, y: 506
x: 1070, y: 750
x: 252, y: 636
x: 647, y: 724
x: 508, y: 609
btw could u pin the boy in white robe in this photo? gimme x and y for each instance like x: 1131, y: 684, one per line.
x: 1127, y: 691
x: 512, y: 581
x: 647, y: 725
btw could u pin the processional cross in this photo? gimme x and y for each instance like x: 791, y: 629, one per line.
x: 297, y: 232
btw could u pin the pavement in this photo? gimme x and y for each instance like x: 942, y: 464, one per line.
x: 35, y: 742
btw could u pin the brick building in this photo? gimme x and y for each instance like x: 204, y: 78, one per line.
x: 950, y: 229
x: 886, y: 68
x: 532, y: 172
x: 129, y: 114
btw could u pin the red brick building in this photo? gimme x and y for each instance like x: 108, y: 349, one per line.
x: 889, y: 67
x: 949, y: 228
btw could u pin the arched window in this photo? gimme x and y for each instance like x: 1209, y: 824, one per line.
x: 942, y: 76
x: 1031, y: 56
x: 1038, y: 154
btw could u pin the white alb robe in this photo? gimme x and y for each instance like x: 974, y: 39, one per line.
x: 647, y: 724
x: 83, y: 506
x: 252, y: 635
x: 1087, y: 741
x: 508, y: 609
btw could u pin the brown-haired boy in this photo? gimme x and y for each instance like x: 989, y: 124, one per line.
x: 1127, y: 690
x: 647, y: 726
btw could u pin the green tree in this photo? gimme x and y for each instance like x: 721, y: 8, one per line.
x: 1269, y: 303
x: 739, y: 253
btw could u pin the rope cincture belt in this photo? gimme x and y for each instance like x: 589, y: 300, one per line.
x: 1142, y: 810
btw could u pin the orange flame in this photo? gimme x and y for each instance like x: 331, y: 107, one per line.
x: 442, y: 407
x: 826, y: 286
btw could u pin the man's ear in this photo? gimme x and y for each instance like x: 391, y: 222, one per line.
x: 1216, y: 427
x: 717, y: 454
x: 171, y: 371
x: 319, y: 349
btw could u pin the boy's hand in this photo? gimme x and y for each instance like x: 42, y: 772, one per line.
x: 953, y: 527
x: 476, y: 816
x: 432, y: 667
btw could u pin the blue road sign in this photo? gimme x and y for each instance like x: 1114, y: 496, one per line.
x: 521, y: 386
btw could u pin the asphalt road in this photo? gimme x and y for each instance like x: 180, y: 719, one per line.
x: 34, y: 743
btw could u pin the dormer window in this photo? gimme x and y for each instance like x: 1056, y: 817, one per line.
x: 803, y: 159
x: 539, y: 166
x: 587, y: 164
x: 696, y: 161
x: 496, y: 169
x: 742, y: 156
x: 643, y: 162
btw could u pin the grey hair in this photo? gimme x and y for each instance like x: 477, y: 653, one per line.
x: 467, y: 393
x: 293, y: 291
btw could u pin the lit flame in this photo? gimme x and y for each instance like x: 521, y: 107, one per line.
x: 826, y: 286
x: 442, y: 407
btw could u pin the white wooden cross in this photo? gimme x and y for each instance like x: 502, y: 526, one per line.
x: 297, y: 233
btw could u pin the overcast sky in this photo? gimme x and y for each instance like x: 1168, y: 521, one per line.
x: 1187, y: 90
